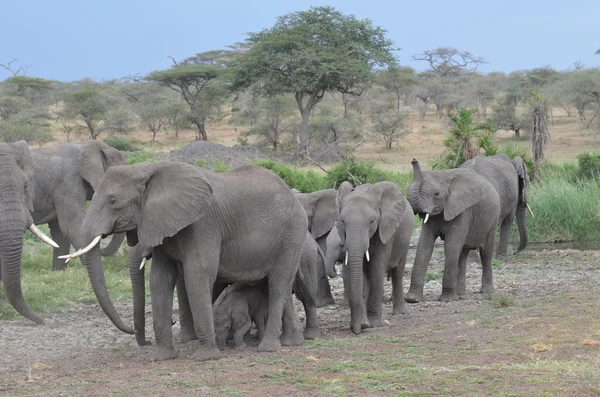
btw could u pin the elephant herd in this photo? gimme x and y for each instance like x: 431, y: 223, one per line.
x: 236, y: 245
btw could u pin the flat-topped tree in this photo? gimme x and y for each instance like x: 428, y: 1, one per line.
x: 197, y: 80
x: 309, y: 53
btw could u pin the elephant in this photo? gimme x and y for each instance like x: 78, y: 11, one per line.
x: 17, y: 190
x: 240, y: 226
x: 510, y: 180
x: 236, y: 308
x: 375, y: 223
x: 462, y: 208
x: 321, y: 211
x: 65, y: 178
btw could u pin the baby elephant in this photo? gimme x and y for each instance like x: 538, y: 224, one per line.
x: 234, y: 311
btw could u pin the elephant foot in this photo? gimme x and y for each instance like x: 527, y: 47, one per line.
x: 240, y: 346
x: 329, y: 299
x: 448, y: 296
x: 161, y: 353
x: 321, y: 302
x: 312, y: 333
x: 269, y: 344
x: 186, y: 336
x: 487, y: 289
x: 140, y: 338
x: 292, y: 339
x: 376, y: 322
x: 413, y: 297
x: 205, y: 353
x: 356, y: 329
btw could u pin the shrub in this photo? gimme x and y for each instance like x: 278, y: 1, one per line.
x: 305, y: 181
x: 358, y: 172
x: 120, y: 144
x: 589, y: 165
x: 141, y: 157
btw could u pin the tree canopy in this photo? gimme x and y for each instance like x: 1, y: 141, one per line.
x: 309, y: 53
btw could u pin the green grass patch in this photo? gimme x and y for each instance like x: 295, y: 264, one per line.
x: 141, y: 157
x: 47, y: 291
x: 500, y: 301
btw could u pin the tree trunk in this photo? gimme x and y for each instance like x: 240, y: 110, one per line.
x: 517, y: 133
x: 302, y: 137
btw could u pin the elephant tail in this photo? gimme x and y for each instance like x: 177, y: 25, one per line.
x: 521, y: 169
x: 302, y: 290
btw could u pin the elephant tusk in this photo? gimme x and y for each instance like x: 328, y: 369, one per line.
x: 346, y: 259
x: 39, y: 234
x: 143, y: 263
x: 529, y: 209
x: 426, y: 217
x: 81, y: 251
x: 367, y: 254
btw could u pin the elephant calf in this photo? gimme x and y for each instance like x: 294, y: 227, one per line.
x: 234, y: 311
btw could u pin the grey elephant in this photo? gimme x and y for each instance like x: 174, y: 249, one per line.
x: 320, y: 208
x: 462, y: 208
x: 17, y: 189
x: 510, y: 180
x: 239, y: 226
x: 238, y: 306
x: 375, y: 223
x: 65, y: 178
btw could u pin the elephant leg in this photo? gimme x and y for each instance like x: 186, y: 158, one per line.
x: 398, y: 304
x: 324, y: 296
x: 453, y: 248
x: 199, y: 289
x: 186, y: 320
x: 461, y: 277
x: 486, y: 253
x: 375, y: 274
x: 291, y: 336
x: 505, y: 229
x: 64, y: 245
x: 163, y: 277
x: 138, y: 286
x: 422, y: 259
x: 280, y: 283
x: 240, y: 332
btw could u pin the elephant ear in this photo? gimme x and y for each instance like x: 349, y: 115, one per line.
x: 95, y: 158
x: 176, y: 195
x: 324, y: 213
x: 343, y: 191
x: 521, y: 168
x: 466, y: 189
x: 391, y: 207
x: 25, y: 161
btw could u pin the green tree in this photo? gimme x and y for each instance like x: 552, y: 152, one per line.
x: 400, y: 81
x: 537, y: 124
x: 198, y: 80
x: 309, y: 53
x: 88, y: 104
x: 277, y: 112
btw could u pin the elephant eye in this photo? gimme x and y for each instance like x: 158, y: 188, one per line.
x: 372, y: 220
x: 437, y: 193
x: 112, y: 200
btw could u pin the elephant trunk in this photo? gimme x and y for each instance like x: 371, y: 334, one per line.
x: 138, y: 285
x: 331, y: 258
x: 115, y: 243
x: 93, y: 263
x: 522, y: 225
x: 11, y: 246
x: 356, y: 254
x: 413, y: 195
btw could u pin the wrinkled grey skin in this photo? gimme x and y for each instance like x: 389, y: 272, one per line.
x: 321, y: 210
x: 234, y: 311
x: 17, y: 189
x: 378, y: 218
x: 510, y: 180
x: 65, y: 178
x: 463, y: 210
x: 207, y: 227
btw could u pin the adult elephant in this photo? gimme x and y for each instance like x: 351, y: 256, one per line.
x: 321, y: 210
x: 17, y: 189
x: 509, y: 178
x: 374, y: 223
x: 462, y: 208
x: 241, y: 226
x: 65, y: 178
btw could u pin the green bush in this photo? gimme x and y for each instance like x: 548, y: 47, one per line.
x: 589, y: 165
x: 141, y: 157
x: 120, y: 144
x: 358, y: 172
x: 305, y: 181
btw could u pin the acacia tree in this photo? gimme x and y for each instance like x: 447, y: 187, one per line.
x: 309, y: 53
x: 90, y: 106
x: 197, y: 80
x: 400, y: 81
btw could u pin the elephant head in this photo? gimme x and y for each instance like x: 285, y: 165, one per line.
x: 230, y: 313
x: 320, y: 208
x: 367, y: 215
x: 449, y: 192
x: 16, y: 205
x: 140, y: 200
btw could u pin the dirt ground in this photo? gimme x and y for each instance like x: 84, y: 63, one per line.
x: 538, y: 335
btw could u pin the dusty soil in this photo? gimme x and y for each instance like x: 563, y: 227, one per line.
x: 538, y: 335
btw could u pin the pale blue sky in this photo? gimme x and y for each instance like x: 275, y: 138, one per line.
x: 72, y: 39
